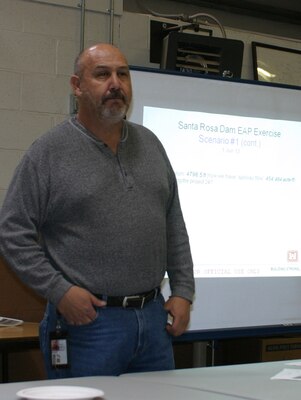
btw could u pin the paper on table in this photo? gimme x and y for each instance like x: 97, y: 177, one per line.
x: 5, y: 321
x: 295, y: 363
x: 289, y: 374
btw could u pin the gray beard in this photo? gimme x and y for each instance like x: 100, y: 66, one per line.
x: 114, y: 114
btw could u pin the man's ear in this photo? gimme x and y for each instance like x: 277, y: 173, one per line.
x: 75, y: 84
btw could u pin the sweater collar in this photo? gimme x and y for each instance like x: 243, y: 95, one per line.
x: 124, y: 133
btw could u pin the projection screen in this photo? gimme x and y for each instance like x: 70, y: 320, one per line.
x: 235, y: 147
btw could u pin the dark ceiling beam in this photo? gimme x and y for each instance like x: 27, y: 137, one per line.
x: 250, y: 9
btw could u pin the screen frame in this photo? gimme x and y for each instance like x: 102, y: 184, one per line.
x: 239, y: 331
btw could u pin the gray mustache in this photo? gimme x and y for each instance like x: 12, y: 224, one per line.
x: 115, y: 95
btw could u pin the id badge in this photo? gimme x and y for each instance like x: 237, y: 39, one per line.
x: 59, y: 349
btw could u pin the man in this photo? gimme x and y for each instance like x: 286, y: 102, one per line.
x: 92, y: 221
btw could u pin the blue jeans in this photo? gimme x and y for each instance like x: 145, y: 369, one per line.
x: 120, y: 340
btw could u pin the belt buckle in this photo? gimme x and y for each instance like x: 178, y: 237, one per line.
x: 126, y: 298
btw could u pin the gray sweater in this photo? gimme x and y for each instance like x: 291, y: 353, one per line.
x: 77, y: 214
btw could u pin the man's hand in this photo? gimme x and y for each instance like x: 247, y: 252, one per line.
x: 179, y: 309
x: 77, y: 306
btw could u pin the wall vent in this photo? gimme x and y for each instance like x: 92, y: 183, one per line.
x: 199, y: 54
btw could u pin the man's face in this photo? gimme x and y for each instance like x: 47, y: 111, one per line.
x: 104, y: 83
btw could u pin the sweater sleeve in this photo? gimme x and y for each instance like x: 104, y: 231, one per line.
x: 21, y: 217
x: 179, y: 260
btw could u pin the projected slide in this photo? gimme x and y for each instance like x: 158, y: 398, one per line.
x: 240, y: 188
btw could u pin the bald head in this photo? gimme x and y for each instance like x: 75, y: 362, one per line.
x: 99, y: 50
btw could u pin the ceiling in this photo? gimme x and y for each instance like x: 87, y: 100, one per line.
x: 288, y: 11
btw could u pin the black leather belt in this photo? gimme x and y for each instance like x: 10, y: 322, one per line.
x: 135, y: 301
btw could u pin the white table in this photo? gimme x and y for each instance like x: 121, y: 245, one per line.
x: 246, y: 381
x: 236, y: 382
x: 117, y: 388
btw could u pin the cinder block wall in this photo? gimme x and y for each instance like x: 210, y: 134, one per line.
x: 38, y: 44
